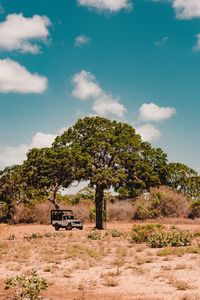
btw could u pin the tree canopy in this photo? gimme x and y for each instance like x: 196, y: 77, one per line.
x: 107, y: 153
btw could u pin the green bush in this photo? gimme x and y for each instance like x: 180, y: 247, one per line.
x: 173, y: 238
x: 140, y: 233
x: 26, y: 287
x: 94, y: 235
x: 115, y: 233
x: 195, y: 209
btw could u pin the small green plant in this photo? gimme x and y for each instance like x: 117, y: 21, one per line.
x: 26, y: 287
x: 140, y: 233
x: 94, y: 235
x: 115, y: 233
x: 173, y: 238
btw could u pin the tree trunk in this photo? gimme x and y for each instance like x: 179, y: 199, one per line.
x: 99, y: 195
x: 52, y: 198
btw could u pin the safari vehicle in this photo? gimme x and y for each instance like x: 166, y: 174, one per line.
x: 65, y: 219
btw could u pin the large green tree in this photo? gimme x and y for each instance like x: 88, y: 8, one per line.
x: 107, y: 145
x: 13, y: 190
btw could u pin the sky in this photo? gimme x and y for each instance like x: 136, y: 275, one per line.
x: 137, y: 61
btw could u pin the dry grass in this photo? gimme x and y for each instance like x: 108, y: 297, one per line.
x: 179, y: 284
x: 98, y: 269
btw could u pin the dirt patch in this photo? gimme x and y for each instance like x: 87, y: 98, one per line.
x: 110, y: 268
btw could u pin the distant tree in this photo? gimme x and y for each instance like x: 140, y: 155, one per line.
x: 50, y: 169
x: 108, y: 145
x: 13, y: 190
x: 184, y: 179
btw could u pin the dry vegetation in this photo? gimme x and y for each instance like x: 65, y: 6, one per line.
x: 78, y: 267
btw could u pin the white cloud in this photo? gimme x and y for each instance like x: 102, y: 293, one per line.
x: 42, y: 140
x: 81, y: 40
x: 149, y: 132
x: 10, y: 155
x: 187, y: 9
x: 107, y: 5
x: 184, y: 9
x: 20, y: 33
x: 14, y: 78
x: 106, y: 105
x: 152, y: 112
x: 86, y: 87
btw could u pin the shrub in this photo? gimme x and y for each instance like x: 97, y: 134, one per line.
x: 92, y: 213
x: 173, y: 238
x: 140, y: 233
x: 120, y: 211
x: 39, y: 235
x: 94, y: 235
x: 162, y: 201
x: 115, y: 233
x: 195, y: 209
x: 28, y: 286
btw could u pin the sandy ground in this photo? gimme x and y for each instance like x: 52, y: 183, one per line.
x: 111, y: 268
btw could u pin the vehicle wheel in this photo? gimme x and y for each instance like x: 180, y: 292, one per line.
x: 57, y: 227
x: 69, y: 227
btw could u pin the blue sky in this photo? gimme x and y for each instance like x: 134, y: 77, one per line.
x: 136, y: 61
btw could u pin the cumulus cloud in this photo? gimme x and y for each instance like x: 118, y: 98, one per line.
x: 149, y: 132
x: 187, y: 9
x: 107, y: 5
x: 16, y: 155
x: 86, y: 87
x: 81, y: 40
x: 184, y: 9
x: 21, y: 34
x: 106, y: 105
x: 152, y: 112
x: 14, y: 78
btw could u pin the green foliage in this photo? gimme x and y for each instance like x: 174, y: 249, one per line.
x: 148, y: 171
x: 94, y: 235
x: 26, y: 287
x: 115, y: 233
x: 172, y: 238
x: 109, y: 147
x: 184, y: 179
x: 141, y: 233
x: 13, y: 190
x: 195, y: 208
x: 50, y: 169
